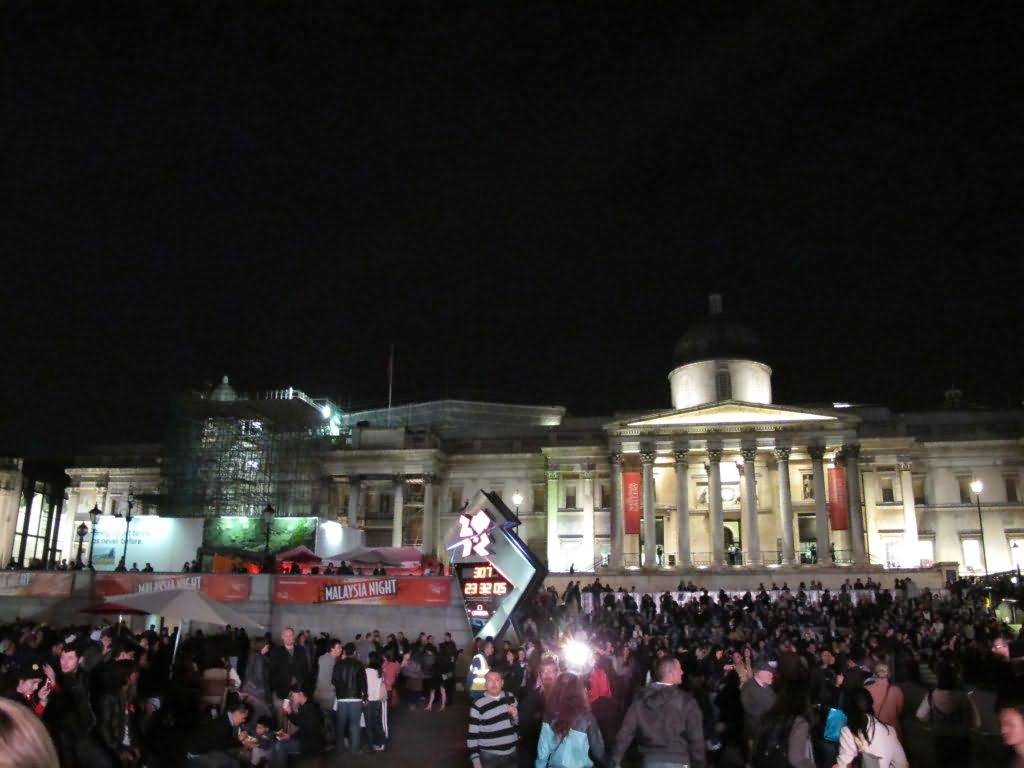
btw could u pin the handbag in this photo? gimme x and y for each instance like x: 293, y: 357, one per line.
x: 834, y: 724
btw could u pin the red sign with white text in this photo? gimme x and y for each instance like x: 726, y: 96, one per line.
x: 33, y: 584
x: 838, y: 501
x: 379, y: 590
x: 632, y: 498
x: 220, y: 587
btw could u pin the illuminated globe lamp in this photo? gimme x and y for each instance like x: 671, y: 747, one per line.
x: 517, y: 499
x: 577, y: 657
x: 976, y: 488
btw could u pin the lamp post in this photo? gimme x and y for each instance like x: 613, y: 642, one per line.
x: 268, y: 518
x: 94, y: 515
x: 83, y: 529
x: 976, y: 487
x: 517, y: 499
x: 127, y: 528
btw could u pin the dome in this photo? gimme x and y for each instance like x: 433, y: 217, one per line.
x: 223, y: 392
x: 717, y: 337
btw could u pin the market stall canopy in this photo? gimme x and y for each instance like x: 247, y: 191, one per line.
x: 299, y: 554
x: 112, y: 609
x: 393, y: 556
x: 185, y: 604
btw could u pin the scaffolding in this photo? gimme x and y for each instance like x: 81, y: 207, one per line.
x: 232, y: 455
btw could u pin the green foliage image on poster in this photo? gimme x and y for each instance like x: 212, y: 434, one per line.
x: 251, y: 532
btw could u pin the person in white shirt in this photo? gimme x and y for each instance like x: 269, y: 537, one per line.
x: 376, y: 704
x: 864, y: 734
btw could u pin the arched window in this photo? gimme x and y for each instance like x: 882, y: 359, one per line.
x: 723, y: 385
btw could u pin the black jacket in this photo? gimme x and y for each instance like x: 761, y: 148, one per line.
x: 70, y: 709
x: 215, y: 735
x: 668, y: 725
x: 113, y: 720
x: 310, y: 721
x: 349, y: 679
x: 288, y: 668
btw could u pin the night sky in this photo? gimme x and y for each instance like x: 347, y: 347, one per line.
x: 531, y: 201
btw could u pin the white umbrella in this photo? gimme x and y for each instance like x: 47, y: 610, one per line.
x: 186, y: 605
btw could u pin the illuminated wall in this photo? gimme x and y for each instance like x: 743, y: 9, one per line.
x: 709, y: 381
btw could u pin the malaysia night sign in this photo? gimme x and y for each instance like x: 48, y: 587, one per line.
x: 495, y: 569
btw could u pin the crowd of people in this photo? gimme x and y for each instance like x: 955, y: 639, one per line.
x: 111, y: 698
x: 765, y: 679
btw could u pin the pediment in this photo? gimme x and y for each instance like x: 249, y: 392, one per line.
x: 731, y: 413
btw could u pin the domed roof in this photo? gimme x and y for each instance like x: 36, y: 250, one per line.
x: 223, y: 392
x: 717, y: 337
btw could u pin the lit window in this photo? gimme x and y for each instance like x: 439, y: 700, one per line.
x: 972, y: 555
x: 570, y: 497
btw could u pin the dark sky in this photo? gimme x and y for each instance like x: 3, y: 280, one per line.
x: 530, y: 201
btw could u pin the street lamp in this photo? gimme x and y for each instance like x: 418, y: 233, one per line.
x: 517, y: 499
x: 268, y: 518
x: 94, y: 515
x: 976, y: 488
x: 83, y: 529
x: 127, y: 527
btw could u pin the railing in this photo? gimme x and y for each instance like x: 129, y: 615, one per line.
x: 631, y: 560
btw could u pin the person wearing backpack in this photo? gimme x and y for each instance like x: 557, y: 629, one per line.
x: 865, y: 736
x: 952, y: 714
x: 784, y: 738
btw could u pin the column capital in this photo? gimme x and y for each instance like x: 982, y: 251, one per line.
x: 615, y: 457
x: 647, y: 457
x: 816, y: 452
x: 682, y: 457
x: 903, y: 463
x: 749, y: 454
x: 586, y: 474
x: 429, y: 478
x: 740, y: 468
x: 552, y: 474
x: 782, y: 454
x: 714, y: 455
x: 851, y: 451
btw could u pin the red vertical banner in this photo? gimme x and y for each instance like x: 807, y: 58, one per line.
x: 631, y: 501
x: 838, y: 504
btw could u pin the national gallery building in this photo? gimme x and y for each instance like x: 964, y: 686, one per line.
x: 724, y: 477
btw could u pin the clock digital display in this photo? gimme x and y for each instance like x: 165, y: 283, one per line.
x: 483, y: 590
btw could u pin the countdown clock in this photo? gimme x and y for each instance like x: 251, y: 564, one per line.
x: 494, y: 567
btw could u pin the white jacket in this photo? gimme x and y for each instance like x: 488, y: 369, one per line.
x: 884, y: 745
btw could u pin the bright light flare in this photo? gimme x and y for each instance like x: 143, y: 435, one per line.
x: 577, y: 655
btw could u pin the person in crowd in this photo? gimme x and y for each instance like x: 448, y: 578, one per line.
x: 784, y: 736
x: 666, y: 722
x: 952, y: 714
x: 569, y: 736
x: 757, y: 697
x: 289, y: 667
x: 478, y: 669
x: 493, y: 731
x: 24, y: 742
x: 117, y: 724
x: 864, y: 734
x: 1011, y: 729
x: 531, y: 713
x: 217, y: 743
x: 376, y: 701
x: 324, y: 693
x: 70, y: 714
x: 256, y: 690
x: 435, y: 685
x: 308, y: 739
x: 389, y: 671
x: 888, y: 699
x: 412, y: 679
x: 260, y: 739
x: 349, y: 679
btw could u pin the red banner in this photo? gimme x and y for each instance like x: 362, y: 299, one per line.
x: 32, y: 584
x: 379, y: 590
x: 838, y: 501
x: 632, y: 497
x: 219, y: 587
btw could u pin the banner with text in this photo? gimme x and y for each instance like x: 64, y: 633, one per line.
x: 838, y: 504
x: 395, y: 590
x: 219, y: 587
x: 30, y: 584
x: 632, y: 496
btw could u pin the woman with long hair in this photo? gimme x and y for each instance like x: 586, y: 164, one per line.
x: 865, y: 734
x: 24, y: 742
x: 786, y: 727
x: 255, y: 690
x: 569, y: 734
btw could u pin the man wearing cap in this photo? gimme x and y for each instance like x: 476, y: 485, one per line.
x: 757, y: 697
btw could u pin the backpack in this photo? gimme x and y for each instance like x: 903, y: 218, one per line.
x: 772, y: 748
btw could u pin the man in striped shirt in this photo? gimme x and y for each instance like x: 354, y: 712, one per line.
x: 493, y: 726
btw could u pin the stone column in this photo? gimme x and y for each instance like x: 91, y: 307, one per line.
x: 851, y: 452
x: 650, y: 530
x: 355, y: 489
x: 398, y: 507
x: 751, y: 530
x: 715, y: 521
x: 683, y: 559
x: 817, y: 453
x: 587, y: 476
x: 554, y: 560
x: 429, y: 515
x: 911, y: 546
x: 616, y: 511
x: 785, y: 506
